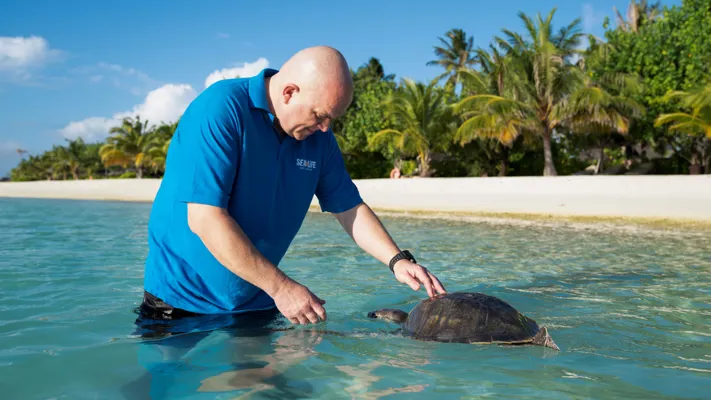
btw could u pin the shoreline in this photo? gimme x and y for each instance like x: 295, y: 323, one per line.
x: 675, y: 201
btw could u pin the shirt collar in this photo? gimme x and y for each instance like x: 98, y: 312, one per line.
x: 258, y: 89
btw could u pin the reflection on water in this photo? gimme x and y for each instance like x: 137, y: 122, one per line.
x: 630, y: 310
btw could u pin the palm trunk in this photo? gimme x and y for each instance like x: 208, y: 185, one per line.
x: 139, y: 172
x: 504, y: 163
x: 549, y: 167
x: 600, y: 159
x: 695, y: 167
x: 424, y: 164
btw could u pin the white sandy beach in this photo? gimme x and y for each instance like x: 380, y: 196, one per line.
x: 678, y: 197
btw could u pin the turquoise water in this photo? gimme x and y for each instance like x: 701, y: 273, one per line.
x: 631, y: 312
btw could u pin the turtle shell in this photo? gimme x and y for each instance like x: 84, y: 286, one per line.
x: 469, y: 318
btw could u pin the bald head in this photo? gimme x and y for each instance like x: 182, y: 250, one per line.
x: 320, y: 68
x: 311, y: 89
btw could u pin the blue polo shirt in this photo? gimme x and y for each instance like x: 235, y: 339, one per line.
x: 226, y: 153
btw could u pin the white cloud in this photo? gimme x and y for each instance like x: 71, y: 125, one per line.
x: 89, y: 129
x: 163, y: 105
x: 20, y: 55
x: 21, y: 52
x: 245, y: 71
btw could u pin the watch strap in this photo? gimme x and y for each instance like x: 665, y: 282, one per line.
x: 403, y: 255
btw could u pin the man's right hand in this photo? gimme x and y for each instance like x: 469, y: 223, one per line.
x: 298, y: 304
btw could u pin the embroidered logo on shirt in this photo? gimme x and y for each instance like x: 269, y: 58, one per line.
x: 305, y: 164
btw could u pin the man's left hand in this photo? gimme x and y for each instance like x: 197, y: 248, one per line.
x: 413, y: 274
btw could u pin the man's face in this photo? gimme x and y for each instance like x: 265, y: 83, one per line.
x: 305, y: 112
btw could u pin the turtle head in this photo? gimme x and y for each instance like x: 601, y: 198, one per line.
x: 389, y: 314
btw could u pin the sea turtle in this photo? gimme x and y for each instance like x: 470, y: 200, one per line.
x: 464, y: 317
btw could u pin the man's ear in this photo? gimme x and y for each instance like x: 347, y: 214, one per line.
x: 288, y: 92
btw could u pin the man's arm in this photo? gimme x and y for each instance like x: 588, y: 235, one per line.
x: 232, y: 248
x: 368, y: 232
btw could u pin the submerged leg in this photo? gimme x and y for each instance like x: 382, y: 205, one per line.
x: 542, y: 338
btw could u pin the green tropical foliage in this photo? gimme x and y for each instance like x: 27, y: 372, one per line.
x: 693, y: 119
x: 538, y: 99
x: 455, y: 55
x: 420, y: 123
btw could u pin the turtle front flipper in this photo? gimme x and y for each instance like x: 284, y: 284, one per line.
x: 389, y: 314
x: 542, y: 338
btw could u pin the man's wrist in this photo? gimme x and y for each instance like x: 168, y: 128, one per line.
x: 402, y: 255
x: 278, y: 284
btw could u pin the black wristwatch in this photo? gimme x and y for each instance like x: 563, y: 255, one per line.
x: 403, y: 255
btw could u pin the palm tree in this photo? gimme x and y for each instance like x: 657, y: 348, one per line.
x: 545, y: 79
x: 604, y: 104
x: 91, y: 160
x: 59, y: 157
x: 697, y: 122
x: 547, y: 92
x: 373, y: 70
x: 420, y: 113
x: 455, y: 56
x: 159, y: 145
x: 601, y: 107
x: 637, y: 14
x: 478, y: 122
x: 157, y: 156
x: 128, y: 144
x: 72, y: 156
x: 164, y: 132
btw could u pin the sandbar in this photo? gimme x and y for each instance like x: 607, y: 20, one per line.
x: 679, y: 200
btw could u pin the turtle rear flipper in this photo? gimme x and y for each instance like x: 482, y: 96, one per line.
x: 542, y: 338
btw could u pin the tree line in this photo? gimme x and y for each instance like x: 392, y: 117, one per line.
x: 543, y: 100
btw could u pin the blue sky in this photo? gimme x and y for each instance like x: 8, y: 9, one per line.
x: 71, y: 69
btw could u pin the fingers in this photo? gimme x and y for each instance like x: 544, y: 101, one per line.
x: 312, y: 313
x: 320, y: 311
x: 312, y: 317
x: 299, y: 320
x: 437, y: 284
x: 424, y: 277
x: 412, y: 282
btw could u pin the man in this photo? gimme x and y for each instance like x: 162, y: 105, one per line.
x: 244, y: 164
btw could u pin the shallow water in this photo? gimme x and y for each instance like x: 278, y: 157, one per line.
x: 630, y: 311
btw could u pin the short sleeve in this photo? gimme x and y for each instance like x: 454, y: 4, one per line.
x: 210, y: 138
x: 335, y: 191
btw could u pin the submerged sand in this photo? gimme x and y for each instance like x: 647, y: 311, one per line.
x: 675, y: 199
